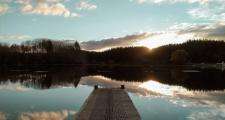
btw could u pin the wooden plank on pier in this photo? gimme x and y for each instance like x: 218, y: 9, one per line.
x: 108, y: 104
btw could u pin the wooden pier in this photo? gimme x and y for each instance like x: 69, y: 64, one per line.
x: 108, y: 104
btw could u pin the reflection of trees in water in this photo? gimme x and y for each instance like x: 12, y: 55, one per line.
x: 209, y: 80
x: 43, y: 79
x: 205, y: 80
x: 135, y: 74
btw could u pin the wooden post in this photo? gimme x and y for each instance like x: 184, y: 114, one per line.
x: 122, y: 87
x: 96, y: 87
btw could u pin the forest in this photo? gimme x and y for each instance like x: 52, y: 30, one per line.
x: 50, y: 52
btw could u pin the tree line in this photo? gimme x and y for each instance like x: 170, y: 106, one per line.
x: 51, y: 52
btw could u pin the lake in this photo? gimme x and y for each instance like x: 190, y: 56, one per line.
x: 158, y: 94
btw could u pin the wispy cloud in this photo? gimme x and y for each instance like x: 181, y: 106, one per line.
x: 199, y: 13
x: 176, y: 1
x: 214, y: 11
x: 182, y: 32
x: 204, y: 10
x: 3, y: 8
x: 207, y: 30
x: 128, y: 40
x: 85, y: 5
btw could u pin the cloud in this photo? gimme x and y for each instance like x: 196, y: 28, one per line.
x: 183, y: 32
x: 84, y: 5
x: 164, y: 38
x: 177, y: 33
x: 15, y: 37
x: 38, y: 1
x: 176, y: 1
x: 213, y: 11
x: 23, y: 1
x: 3, y: 8
x: 199, y: 13
x: 128, y: 40
x: 209, y: 31
x: 52, y: 115
x: 6, y: 1
x: 46, y: 7
x: 26, y: 8
x: 55, y: 9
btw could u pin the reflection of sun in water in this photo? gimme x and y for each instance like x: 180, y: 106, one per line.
x: 163, y: 88
x: 164, y: 39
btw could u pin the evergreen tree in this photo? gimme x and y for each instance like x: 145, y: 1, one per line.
x: 76, y: 46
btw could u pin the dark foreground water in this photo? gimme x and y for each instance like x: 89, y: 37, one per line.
x: 159, y: 94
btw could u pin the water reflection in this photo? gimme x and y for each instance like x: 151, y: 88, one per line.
x: 47, y: 104
x: 51, y: 78
x: 44, y: 115
x: 18, y: 87
x: 57, y: 93
x: 163, y: 88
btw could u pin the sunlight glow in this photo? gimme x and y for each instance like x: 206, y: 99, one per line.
x: 163, y: 88
x: 164, y: 39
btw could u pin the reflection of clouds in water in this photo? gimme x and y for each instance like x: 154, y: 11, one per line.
x: 2, y: 116
x: 212, y: 101
x: 210, y: 114
x: 109, y: 83
x: 151, y: 88
x: 163, y: 88
x: 53, y: 115
x: 183, y: 103
x: 104, y: 82
x: 210, y: 109
x: 18, y: 87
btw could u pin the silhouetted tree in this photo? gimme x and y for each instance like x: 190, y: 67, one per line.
x: 47, y: 45
x: 76, y: 46
x: 48, y: 52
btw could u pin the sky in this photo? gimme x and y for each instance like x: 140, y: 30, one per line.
x: 103, y: 24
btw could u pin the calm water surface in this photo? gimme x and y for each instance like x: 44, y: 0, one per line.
x: 157, y: 94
